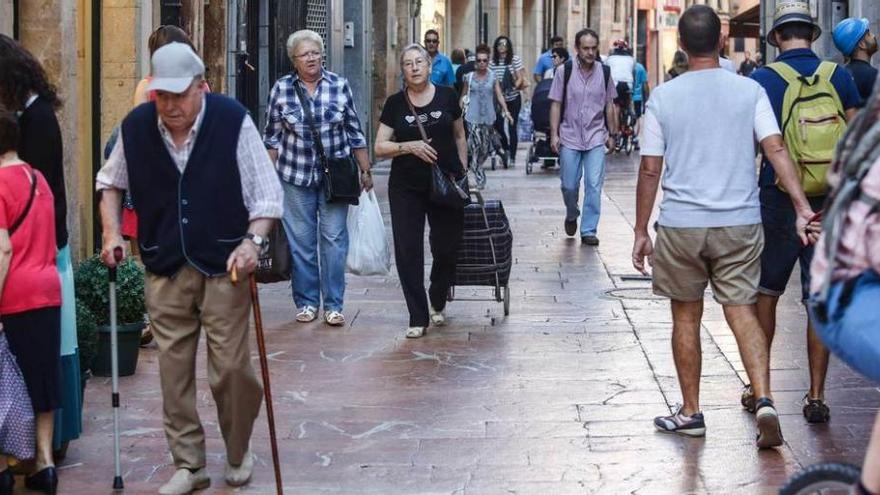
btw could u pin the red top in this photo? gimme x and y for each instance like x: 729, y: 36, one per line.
x: 32, y: 281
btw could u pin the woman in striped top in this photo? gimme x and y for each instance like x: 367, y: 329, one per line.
x: 509, y: 71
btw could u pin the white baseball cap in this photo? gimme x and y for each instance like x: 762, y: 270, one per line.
x: 173, y: 68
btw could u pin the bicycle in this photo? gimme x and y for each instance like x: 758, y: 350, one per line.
x: 626, y: 135
x: 824, y: 478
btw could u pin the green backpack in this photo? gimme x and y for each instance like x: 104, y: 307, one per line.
x: 813, y: 122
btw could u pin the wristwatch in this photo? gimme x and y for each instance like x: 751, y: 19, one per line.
x: 258, y: 240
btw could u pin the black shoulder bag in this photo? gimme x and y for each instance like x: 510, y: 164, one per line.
x: 27, y: 208
x: 446, y: 189
x: 341, y: 178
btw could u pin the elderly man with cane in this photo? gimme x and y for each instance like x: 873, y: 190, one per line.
x: 206, y: 195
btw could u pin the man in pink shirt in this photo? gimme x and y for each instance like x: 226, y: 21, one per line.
x: 582, y: 95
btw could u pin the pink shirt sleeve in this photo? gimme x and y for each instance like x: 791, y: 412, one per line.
x: 557, y: 86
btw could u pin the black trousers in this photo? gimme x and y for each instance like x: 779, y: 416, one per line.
x: 409, y: 208
x: 510, y: 139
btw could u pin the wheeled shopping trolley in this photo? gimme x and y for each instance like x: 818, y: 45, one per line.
x: 485, y: 255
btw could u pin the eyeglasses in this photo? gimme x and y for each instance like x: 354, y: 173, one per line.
x: 312, y: 55
x: 410, y: 64
x: 435, y: 40
x: 482, y: 61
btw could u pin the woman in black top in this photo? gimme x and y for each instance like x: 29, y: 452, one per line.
x: 410, y: 184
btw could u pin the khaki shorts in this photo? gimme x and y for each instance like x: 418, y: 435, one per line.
x: 686, y: 260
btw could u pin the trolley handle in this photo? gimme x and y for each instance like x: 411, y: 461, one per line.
x: 478, y: 196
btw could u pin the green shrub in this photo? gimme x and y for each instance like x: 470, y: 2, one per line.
x: 92, y: 290
x: 87, y: 336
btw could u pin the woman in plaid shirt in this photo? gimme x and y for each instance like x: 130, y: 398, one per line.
x: 292, y: 146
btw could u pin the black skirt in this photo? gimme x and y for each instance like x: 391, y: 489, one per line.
x: 35, y: 340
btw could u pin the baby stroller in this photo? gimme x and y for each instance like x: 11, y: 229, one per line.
x: 540, y: 149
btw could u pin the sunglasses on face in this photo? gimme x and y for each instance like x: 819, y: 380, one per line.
x: 502, y: 43
x: 427, y: 41
x: 482, y: 60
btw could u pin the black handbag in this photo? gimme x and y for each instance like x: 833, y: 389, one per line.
x: 274, y: 263
x: 446, y: 189
x: 341, y: 177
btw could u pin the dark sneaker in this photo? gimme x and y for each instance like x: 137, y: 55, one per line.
x: 590, y: 240
x: 571, y: 227
x: 769, y: 432
x: 678, y: 423
x: 815, y: 410
x: 747, y: 399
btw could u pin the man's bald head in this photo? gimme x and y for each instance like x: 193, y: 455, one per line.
x: 700, y: 31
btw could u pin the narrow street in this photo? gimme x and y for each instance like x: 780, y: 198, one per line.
x: 556, y: 398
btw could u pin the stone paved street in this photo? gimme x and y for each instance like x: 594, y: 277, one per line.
x: 556, y: 398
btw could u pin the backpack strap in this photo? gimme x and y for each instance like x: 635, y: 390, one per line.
x: 786, y: 72
x: 826, y: 71
x: 606, y: 73
x: 568, y: 68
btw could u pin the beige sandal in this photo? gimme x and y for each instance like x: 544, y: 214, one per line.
x: 416, y: 332
x: 308, y: 313
x: 438, y: 319
x: 334, y: 318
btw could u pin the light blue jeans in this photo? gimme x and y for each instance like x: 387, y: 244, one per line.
x: 307, y: 214
x: 851, y: 328
x: 590, y: 164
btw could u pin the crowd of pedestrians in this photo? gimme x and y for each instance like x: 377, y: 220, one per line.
x: 195, y: 187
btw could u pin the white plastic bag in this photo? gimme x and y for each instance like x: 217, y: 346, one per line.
x: 368, y: 250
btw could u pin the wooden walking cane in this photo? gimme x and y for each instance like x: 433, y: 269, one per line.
x: 264, y: 369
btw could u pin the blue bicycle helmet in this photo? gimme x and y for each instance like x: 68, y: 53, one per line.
x: 848, y: 33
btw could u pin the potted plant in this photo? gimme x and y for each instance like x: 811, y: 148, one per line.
x: 87, y: 340
x: 92, y: 291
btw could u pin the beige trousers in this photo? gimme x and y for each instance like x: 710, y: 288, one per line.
x: 179, y: 308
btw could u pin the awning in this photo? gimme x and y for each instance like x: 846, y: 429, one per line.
x: 747, y: 22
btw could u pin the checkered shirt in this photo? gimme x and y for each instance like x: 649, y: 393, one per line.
x: 288, y: 132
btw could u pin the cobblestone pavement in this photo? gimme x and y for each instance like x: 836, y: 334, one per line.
x: 556, y: 398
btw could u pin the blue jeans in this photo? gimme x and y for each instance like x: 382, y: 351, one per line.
x: 573, y: 164
x: 306, y: 214
x: 852, y: 326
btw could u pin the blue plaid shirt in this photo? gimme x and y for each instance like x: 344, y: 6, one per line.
x: 288, y: 132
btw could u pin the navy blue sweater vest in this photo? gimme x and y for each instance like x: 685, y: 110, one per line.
x: 197, y: 217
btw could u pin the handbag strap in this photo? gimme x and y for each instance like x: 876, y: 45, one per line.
x: 310, y: 120
x: 415, y: 115
x: 27, y: 208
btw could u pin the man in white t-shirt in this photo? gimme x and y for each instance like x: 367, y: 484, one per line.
x: 622, y: 64
x: 704, y: 123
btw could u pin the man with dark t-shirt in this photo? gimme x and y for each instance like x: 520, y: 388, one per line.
x: 747, y: 66
x: 855, y: 41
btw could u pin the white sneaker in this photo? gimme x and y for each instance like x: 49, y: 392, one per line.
x: 240, y: 475
x: 308, y: 313
x: 437, y: 317
x: 184, y: 482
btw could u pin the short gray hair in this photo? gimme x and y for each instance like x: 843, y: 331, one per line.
x: 303, y: 35
x: 414, y: 47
